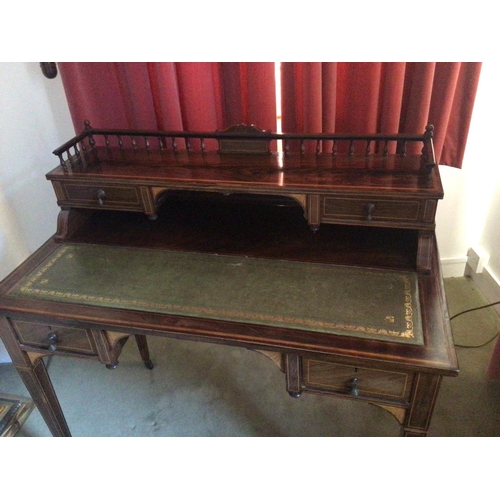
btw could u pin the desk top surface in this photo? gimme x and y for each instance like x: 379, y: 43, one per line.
x: 268, y: 171
x: 268, y: 238
x: 369, y: 303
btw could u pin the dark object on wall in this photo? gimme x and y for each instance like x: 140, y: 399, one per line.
x: 49, y: 69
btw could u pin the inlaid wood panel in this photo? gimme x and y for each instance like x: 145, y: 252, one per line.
x: 67, y: 340
x: 370, y: 209
x: 357, y: 381
x: 101, y: 196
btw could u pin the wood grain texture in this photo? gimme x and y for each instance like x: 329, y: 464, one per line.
x: 372, y: 211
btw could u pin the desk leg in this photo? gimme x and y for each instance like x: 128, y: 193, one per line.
x: 31, y: 368
x: 37, y: 381
x: 293, y: 371
x: 424, y: 395
x: 313, y: 212
x: 142, y: 344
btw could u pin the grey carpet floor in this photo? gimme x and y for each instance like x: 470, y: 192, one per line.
x: 209, y: 390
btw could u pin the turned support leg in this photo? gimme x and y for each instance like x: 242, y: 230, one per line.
x: 293, y: 370
x: 313, y: 212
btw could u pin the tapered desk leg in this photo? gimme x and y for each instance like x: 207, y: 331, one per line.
x: 36, y: 379
x: 424, y: 395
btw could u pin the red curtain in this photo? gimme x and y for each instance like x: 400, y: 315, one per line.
x: 316, y: 97
x: 205, y: 96
x: 382, y: 97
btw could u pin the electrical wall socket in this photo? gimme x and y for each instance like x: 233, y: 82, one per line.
x: 477, y: 258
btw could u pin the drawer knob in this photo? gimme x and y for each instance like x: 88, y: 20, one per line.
x: 53, y: 339
x: 101, y: 195
x: 369, y: 207
x: 353, y: 387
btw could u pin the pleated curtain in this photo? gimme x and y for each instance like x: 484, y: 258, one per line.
x: 342, y: 97
x: 382, y: 97
x: 204, y: 96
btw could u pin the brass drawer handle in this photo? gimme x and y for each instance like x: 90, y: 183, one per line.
x: 353, y: 387
x: 370, y: 207
x: 53, y: 339
x: 101, y: 195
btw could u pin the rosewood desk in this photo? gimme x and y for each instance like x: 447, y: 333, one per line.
x: 354, y: 308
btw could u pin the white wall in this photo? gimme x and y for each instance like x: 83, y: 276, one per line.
x: 484, y: 157
x: 451, y: 228
x: 35, y: 120
x: 469, y: 214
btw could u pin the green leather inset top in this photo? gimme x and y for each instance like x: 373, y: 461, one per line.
x: 340, y: 300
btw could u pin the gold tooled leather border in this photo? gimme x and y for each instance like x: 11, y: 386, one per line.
x: 32, y: 288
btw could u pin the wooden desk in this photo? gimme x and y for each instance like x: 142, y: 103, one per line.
x: 369, y: 200
x: 400, y: 374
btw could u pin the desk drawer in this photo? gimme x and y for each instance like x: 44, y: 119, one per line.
x: 99, y: 196
x: 357, y: 381
x: 54, y: 338
x: 370, y: 210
